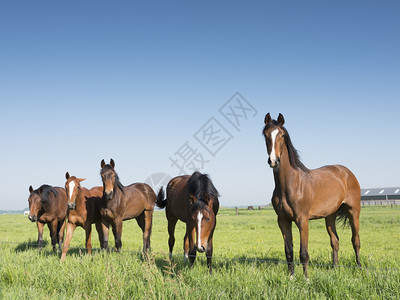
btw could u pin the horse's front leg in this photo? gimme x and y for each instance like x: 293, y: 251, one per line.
x: 117, y: 231
x: 191, y: 236
x: 61, y: 232
x: 88, y: 231
x: 40, y: 234
x: 53, y: 233
x: 286, y: 229
x: 209, y: 254
x: 105, y: 225
x: 70, y: 230
x: 304, y: 258
x: 100, y: 233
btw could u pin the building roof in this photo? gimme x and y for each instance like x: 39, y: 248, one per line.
x: 390, y: 191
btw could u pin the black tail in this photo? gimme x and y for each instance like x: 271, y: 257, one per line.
x: 160, y: 201
x: 341, y: 214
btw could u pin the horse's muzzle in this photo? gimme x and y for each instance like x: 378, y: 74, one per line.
x: 32, y: 218
x: 108, y: 196
x: 201, y: 249
x: 71, y: 206
x: 274, y: 164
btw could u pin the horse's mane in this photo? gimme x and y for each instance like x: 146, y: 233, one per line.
x: 294, y: 157
x: 199, y: 185
x: 45, y: 192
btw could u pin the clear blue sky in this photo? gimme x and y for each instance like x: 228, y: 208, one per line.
x: 134, y: 80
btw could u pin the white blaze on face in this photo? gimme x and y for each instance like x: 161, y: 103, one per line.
x: 272, y: 156
x: 71, y: 189
x: 199, y: 218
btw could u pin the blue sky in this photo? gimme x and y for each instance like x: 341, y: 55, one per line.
x: 134, y: 80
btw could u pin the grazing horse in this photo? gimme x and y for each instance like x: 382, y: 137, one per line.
x: 194, y: 201
x: 120, y: 203
x: 83, y: 210
x: 48, y: 205
x: 301, y: 194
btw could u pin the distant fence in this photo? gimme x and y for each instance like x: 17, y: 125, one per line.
x: 380, y: 202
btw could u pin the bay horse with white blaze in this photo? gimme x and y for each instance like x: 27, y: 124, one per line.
x: 194, y: 201
x: 120, y: 203
x: 48, y: 205
x: 301, y: 194
x: 84, y: 210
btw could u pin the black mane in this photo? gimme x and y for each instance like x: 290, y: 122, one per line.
x: 294, y: 157
x: 199, y: 185
x: 45, y: 190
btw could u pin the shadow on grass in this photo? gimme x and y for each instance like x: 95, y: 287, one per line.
x: 177, y: 264
x: 30, y: 244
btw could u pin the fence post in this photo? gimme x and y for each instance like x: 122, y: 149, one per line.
x: 237, y: 212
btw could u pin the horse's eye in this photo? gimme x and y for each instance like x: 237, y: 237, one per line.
x: 207, y: 219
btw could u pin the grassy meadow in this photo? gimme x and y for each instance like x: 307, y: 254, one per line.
x: 247, y: 263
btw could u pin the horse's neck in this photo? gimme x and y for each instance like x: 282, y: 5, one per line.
x: 284, y: 174
x: 118, y: 196
x: 81, y: 199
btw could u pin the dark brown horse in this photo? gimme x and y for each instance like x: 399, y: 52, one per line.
x: 48, y: 205
x: 120, y: 203
x: 84, y: 210
x: 194, y: 201
x: 301, y: 194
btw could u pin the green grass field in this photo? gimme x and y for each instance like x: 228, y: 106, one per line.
x: 248, y: 251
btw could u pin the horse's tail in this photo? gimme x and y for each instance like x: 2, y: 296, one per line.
x: 160, y: 201
x: 341, y: 214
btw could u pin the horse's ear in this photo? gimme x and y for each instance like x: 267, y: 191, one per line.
x: 30, y: 189
x: 102, y: 164
x: 267, y: 119
x: 81, y: 179
x: 66, y: 175
x: 281, y: 119
x: 112, y: 163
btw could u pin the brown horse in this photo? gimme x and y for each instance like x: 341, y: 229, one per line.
x: 301, y: 194
x: 120, y: 203
x: 194, y: 201
x: 48, y: 205
x: 84, y: 210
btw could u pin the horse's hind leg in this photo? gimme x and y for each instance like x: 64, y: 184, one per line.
x: 144, y: 221
x: 331, y: 228
x: 171, y: 232
x: 354, y: 216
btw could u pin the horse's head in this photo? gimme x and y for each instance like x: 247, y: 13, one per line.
x: 72, y: 186
x: 35, y: 204
x: 274, y: 135
x: 110, y: 179
x: 203, y: 217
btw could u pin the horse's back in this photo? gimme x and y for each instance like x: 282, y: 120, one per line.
x: 177, y: 197
x: 331, y: 186
x: 140, y: 197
